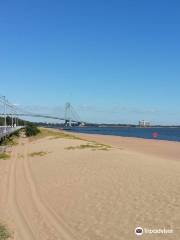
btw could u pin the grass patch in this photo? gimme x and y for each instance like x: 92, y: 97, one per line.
x: 91, y: 145
x: 40, y: 154
x: 10, y: 141
x: 4, y: 156
x: 53, y: 135
x: 4, y: 233
x: 20, y: 156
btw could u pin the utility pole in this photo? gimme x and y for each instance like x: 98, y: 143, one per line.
x: 5, y: 120
x: 12, y: 120
x: 17, y: 121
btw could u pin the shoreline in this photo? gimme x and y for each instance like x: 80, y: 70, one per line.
x: 111, y: 135
x: 87, y: 193
x: 161, y: 148
x: 158, y: 135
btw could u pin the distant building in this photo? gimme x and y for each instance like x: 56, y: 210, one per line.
x: 144, y: 123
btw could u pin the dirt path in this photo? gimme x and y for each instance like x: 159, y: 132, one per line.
x: 33, y: 219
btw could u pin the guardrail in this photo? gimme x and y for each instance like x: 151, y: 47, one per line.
x: 6, y: 131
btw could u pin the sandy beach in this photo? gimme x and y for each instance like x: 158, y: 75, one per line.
x: 65, y: 188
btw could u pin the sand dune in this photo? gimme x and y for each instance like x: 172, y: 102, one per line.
x: 90, y: 194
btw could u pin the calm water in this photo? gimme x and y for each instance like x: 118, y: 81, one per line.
x: 170, y: 134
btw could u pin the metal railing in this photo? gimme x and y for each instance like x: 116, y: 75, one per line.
x: 6, y: 131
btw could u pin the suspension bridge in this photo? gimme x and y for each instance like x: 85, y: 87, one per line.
x: 9, y: 110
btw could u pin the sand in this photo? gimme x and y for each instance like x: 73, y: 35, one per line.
x: 88, y: 194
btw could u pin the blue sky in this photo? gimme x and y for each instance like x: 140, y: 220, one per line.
x: 116, y: 61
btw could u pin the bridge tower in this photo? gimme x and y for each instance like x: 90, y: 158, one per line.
x: 68, y: 119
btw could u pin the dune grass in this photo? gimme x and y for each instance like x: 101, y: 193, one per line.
x: 53, y: 134
x: 4, y: 233
x: 35, y: 154
x: 56, y: 134
x: 10, y: 141
x: 91, y: 146
x: 4, y: 156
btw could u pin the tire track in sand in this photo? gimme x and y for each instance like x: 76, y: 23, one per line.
x: 33, y: 220
x: 50, y: 217
x: 24, y: 231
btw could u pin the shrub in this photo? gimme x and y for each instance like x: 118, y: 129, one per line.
x: 31, y: 130
x: 4, y: 233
